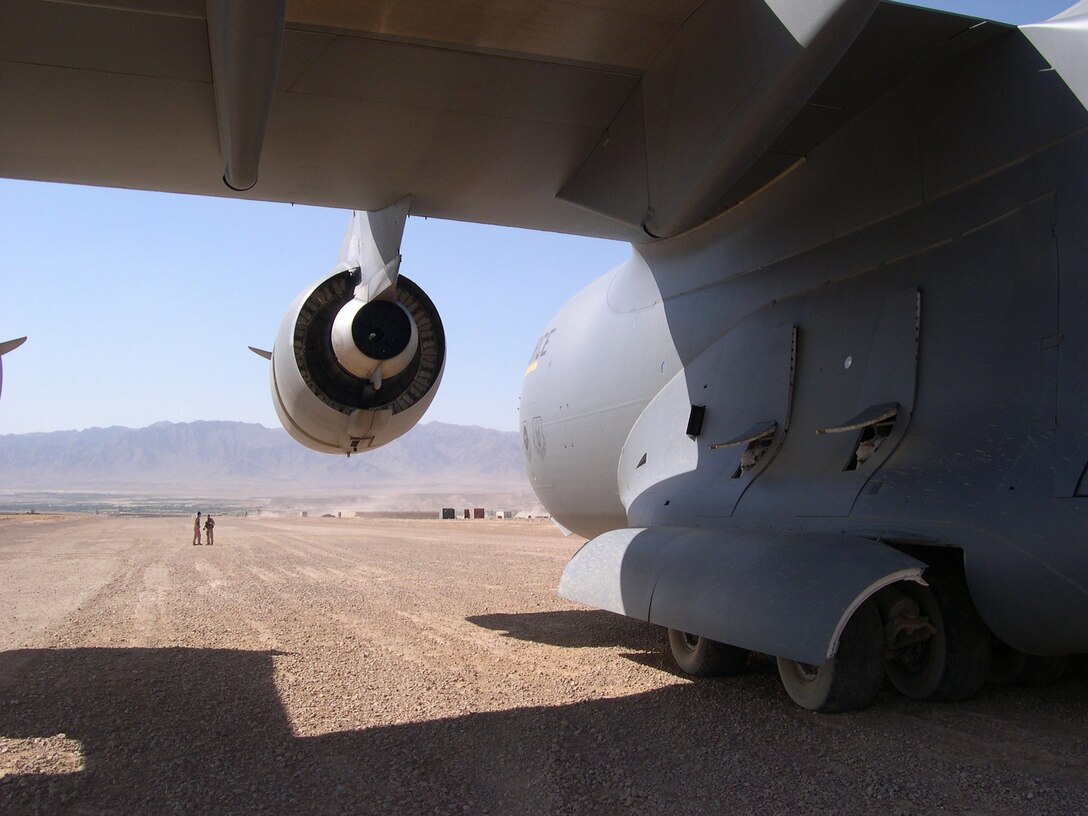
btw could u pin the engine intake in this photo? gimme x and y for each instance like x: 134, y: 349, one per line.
x: 374, y: 340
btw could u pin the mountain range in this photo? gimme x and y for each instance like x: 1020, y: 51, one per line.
x: 244, y: 459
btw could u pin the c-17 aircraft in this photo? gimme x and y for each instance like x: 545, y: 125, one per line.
x: 833, y: 408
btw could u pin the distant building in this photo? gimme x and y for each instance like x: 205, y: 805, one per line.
x: 448, y: 513
x: 468, y: 513
x: 478, y: 513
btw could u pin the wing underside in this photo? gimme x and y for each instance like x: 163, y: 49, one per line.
x: 618, y: 118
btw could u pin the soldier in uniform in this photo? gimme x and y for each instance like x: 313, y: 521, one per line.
x: 196, y: 531
x: 209, y: 528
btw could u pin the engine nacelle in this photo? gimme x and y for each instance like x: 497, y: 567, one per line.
x: 350, y: 373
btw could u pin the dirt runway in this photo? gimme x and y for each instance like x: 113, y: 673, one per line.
x: 326, y: 666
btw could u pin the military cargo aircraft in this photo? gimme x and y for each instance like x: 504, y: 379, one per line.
x: 834, y: 407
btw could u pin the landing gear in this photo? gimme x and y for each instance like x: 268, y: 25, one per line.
x: 703, y: 657
x: 928, y: 640
x: 951, y: 660
x: 849, y: 680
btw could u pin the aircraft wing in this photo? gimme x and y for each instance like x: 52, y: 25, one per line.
x: 627, y: 119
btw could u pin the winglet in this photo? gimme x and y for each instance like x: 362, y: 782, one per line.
x: 11, y: 345
x: 261, y: 353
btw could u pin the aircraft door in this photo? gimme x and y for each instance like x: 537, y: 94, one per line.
x: 856, y: 390
x: 750, y: 392
x: 713, y: 430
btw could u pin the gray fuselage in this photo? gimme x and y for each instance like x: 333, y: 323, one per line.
x: 929, y: 259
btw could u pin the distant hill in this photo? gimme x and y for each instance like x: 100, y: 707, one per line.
x: 241, y: 459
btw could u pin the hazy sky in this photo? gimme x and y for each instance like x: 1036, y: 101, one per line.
x: 139, y: 306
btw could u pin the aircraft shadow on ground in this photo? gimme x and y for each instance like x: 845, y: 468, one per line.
x: 204, y: 731
x: 575, y: 628
x: 646, y: 643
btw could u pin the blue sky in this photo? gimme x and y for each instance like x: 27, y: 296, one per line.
x: 139, y: 306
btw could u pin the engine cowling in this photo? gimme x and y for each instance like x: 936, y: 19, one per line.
x: 352, y: 373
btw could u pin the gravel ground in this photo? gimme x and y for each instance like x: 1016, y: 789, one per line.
x: 313, y: 666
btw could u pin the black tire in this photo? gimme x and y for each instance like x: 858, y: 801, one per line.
x: 1006, y: 663
x: 955, y: 662
x: 703, y: 657
x: 852, y: 678
x: 1009, y: 665
x: 1042, y: 671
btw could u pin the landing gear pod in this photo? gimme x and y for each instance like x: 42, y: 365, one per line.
x: 347, y: 375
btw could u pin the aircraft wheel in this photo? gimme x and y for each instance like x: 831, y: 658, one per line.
x: 1042, y: 671
x: 1006, y: 663
x: 954, y: 662
x: 849, y: 680
x: 703, y: 657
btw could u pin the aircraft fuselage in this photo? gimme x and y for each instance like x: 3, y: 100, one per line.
x: 889, y: 341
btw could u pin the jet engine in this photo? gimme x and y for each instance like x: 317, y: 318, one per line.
x: 359, y: 355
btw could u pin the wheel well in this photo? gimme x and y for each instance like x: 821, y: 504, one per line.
x: 945, y: 564
x: 945, y: 568
x: 944, y: 559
